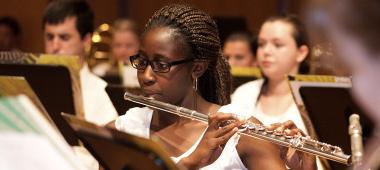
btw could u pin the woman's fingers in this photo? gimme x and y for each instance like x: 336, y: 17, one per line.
x: 219, y: 119
x: 254, y: 120
x: 273, y: 126
x: 221, y: 140
x: 217, y: 133
x: 288, y: 128
x: 225, y: 129
x: 224, y: 138
x: 289, y: 124
x: 292, y: 132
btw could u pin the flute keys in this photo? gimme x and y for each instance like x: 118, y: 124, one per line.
x: 277, y: 133
x: 288, y: 136
x: 296, y: 142
x: 243, y: 128
x: 269, y: 131
x: 337, y: 150
x: 260, y: 128
x: 325, y: 147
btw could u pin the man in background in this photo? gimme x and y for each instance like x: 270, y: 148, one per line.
x: 68, y: 27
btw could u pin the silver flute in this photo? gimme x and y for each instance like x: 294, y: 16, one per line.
x: 300, y: 143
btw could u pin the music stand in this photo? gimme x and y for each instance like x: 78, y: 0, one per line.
x: 241, y: 75
x: 116, y: 150
x: 328, y: 102
x: 52, y: 85
x: 14, y: 86
x: 116, y: 94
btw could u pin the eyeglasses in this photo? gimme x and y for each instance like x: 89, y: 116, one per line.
x: 140, y: 62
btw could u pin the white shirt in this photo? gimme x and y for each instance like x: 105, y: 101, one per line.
x: 246, y: 97
x: 98, y: 107
x: 129, y: 75
x: 137, y: 122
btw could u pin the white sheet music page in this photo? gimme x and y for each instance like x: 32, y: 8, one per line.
x: 30, y: 151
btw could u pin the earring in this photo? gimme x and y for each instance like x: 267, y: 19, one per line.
x: 195, y: 87
x: 195, y: 84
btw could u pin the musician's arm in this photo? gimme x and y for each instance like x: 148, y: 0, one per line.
x: 295, y: 160
x: 259, y: 154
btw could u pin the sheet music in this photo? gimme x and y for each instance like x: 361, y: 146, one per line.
x: 15, y: 85
x: 30, y: 151
x: 28, y: 139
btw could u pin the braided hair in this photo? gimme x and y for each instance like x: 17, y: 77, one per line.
x: 199, y: 32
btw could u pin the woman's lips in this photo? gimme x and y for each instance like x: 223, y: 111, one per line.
x: 150, y: 93
x: 266, y: 63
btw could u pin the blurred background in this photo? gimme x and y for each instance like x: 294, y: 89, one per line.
x: 231, y: 15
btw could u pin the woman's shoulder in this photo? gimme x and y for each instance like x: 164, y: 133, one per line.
x: 135, y: 118
x: 247, y: 92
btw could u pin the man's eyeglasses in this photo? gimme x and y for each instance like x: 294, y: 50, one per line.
x: 140, y: 63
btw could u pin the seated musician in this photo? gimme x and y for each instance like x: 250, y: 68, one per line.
x: 68, y: 26
x: 10, y: 32
x: 283, y: 49
x: 125, y: 42
x: 180, y: 62
x: 239, y: 49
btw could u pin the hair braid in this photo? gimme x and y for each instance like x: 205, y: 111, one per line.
x: 201, y: 34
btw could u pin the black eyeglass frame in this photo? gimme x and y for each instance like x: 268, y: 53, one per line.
x: 151, y: 63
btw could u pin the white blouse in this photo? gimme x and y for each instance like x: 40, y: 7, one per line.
x: 246, y: 97
x: 98, y: 107
x: 137, y: 122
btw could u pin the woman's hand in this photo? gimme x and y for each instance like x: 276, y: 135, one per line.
x: 211, y: 145
x: 293, y: 159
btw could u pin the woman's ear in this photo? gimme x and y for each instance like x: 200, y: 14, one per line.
x: 303, y: 51
x: 199, y: 68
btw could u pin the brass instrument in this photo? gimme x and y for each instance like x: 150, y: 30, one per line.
x: 355, y: 131
x: 300, y: 143
x: 100, y: 50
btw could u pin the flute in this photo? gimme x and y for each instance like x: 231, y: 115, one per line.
x: 300, y: 143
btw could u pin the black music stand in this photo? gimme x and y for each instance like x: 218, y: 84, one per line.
x: 52, y: 85
x: 116, y: 94
x: 116, y: 150
x: 329, y: 105
x: 241, y: 75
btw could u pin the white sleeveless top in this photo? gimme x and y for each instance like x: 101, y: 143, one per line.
x: 246, y: 95
x: 137, y: 122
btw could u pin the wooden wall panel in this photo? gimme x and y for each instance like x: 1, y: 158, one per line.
x: 29, y: 13
x: 255, y: 11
